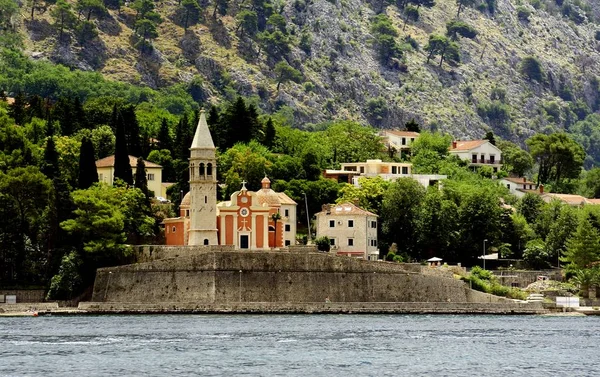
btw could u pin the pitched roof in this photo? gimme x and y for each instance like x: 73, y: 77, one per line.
x: 345, y: 209
x: 109, y: 161
x: 522, y: 180
x: 567, y: 198
x: 202, y: 138
x: 402, y: 133
x: 284, y: 199
x: 467, y: 145
x: 593, y: 201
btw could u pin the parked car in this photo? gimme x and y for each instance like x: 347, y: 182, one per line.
x: 162, y: 200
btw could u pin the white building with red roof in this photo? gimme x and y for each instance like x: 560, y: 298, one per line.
x: 351, y: 230
x: 398, y: 140
x: 518, y: 186
x: 478, y: 153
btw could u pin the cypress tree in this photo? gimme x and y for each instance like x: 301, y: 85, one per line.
x: 256, y: 129
x: 214, y: 125
x: 132, y: 130
x: 183, y: 139
x: 238, y: 123
x: 17, y: 109
x: 270, y: 134
x: 141, y: 181
x: 114, y: 119
x: 88, y: 175
x: 62, y: 112
x: 79, y: 114
x: 164, y: 136
x: 50, y: 163
x: 122, y: 166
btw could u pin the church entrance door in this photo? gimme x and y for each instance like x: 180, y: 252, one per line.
x: 244, y: 241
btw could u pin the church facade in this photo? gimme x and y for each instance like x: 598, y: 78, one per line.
x: 258, y: 220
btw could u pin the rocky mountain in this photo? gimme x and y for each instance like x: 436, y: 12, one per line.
x: 532, y: 66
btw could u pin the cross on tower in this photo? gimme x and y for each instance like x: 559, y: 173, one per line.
x: 244, y: 185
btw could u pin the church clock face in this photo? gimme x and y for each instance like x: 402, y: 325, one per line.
x: 244, y: 199
x: 244, y: 212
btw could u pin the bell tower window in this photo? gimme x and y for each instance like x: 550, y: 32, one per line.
x: 209, y: 169
x: 201, y: 170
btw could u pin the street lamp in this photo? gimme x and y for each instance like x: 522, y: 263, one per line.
x: 308, y: 240
x: 484, y: 241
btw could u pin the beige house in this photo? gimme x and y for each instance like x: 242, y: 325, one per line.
x: 352, y: 230
x: 478, y: 153
x: 389, y: 171
x: 398, y: 140
x: 518, y: 186
x: 106, y: 173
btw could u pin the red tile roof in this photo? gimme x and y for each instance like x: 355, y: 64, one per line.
x: 467, y: 145
x: 109, y: 161
x: 346, y: 209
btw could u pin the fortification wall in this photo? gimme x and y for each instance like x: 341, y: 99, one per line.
x: 235, y: 276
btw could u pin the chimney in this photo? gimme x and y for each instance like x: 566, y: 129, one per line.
x: 541, y: 188
x: 454, y: 144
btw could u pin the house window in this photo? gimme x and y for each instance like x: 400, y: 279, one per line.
x: 403, y: 141
x: 373, y: 224
x: 474, y: 158
x: 187, y: 213
x: 332, y: 241
x: 173, y: 230
x: 492, y: 159
x: 362, y: 169
x: 394, y: 170
x: 288, y: 228
x: 150, y: 176
x: 508, y: 186
x: 287, y: 243
x: 374, y: 243
x: 350, y: 241
x: 332, y: 223
x: 101, y: 177
x: 405, y: 170
x: 350, y: 223
x: 287, y: 213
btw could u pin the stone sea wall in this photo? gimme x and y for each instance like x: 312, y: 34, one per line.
x: 220, y: 277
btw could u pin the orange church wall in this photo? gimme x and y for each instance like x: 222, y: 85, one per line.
x: 174, y: 233
x: 260, y: 225
x: 229, y: 230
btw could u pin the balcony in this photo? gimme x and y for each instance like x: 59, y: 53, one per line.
x: 486, y: 162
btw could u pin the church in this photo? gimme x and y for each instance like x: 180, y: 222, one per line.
x: 258, y: 220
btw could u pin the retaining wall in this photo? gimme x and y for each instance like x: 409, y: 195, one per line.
x: 236, y: 276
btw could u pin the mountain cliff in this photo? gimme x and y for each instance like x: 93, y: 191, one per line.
x: 515, y: 67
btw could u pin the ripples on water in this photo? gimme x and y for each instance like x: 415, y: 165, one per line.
x: 300, y: 345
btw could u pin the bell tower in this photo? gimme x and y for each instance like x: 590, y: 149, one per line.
x: 203, y: 187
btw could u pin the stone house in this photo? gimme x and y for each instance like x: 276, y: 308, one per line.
x: 351, y: 230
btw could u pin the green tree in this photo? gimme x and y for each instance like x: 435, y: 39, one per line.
x: 442, y: 46
x: 514, y: 159
x: 90, y: 7
x: 368, y: 195
x: 531, y: 68
x: 249, y: 162
x: 164, y: 136
x: 67, y: 282
x: 456, y: 28
x: 63, y: 16
x: 437, y: 226
x: 286, y: 72
x: 190, y: 11
x: 399, y: 214
x: 50, y: 166
x: 9, y: 10
x: 323, y: 244
x: 560, y: 232
x: 88, y: 175
x: 146, y: 30
x: 591, y: 183
x: 557, y: 155
x: 141, y: 181
x: 536, y: 255
x: 582, y: 248
x: 270, y: 134
x: 247, y: 23
x: 122, y: 165
x: 163, y: 158
x: 220, y: 6
x: 104, y: 141
x: 530, y: 207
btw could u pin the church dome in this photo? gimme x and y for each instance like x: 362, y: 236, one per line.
x: 185, y: 202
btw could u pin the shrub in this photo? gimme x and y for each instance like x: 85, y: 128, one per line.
x: 523, y: 13
x: 532, y: 69
x: 323, y: 243
x: 411, y: 12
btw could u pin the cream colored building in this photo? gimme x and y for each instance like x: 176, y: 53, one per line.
x: 398, y: 140
x: 389, y: 171
x: 352, y: 230
x: 518, y: 186
x: 478, y: 153
x: 106, y: 173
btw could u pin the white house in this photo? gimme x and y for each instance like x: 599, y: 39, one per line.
x: 518, y: 186
x: 106, y: 173
x: 352, y: 230
x: 478, y: 153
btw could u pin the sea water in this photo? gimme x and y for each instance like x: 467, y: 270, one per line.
x: 300, y: 345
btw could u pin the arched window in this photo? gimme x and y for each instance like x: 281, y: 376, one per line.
x: 201, y: 169
x: 192, y: 172
x: 206, y: 241
x: 209, y: 169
